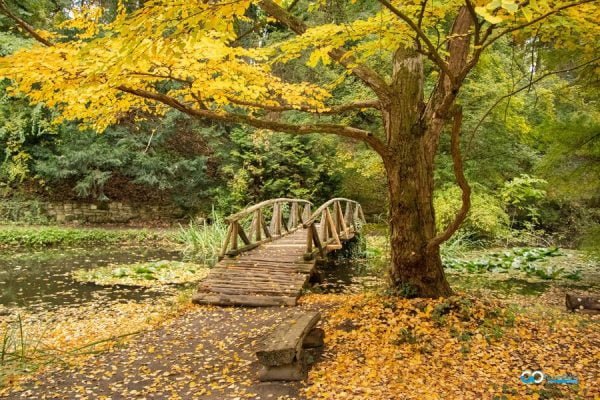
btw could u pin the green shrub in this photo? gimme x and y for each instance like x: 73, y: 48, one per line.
x: 522, y: 196
x: 486, y: 219
x: 262, y: 166
x: 591, y: 241
x: 458, y: 244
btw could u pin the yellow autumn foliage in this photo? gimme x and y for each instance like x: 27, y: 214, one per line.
x: 192, y: 45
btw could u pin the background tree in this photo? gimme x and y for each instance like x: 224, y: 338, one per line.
x: 413, y: 57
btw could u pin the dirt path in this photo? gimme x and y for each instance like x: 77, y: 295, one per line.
x: 208, y: 353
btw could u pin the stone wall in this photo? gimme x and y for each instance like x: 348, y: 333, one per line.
x: 109, y: 212
x: 39, y: 212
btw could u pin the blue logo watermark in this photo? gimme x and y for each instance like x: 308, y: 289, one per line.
x: 538, y: 377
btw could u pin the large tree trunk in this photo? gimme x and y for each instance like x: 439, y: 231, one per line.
x: 416, y: 268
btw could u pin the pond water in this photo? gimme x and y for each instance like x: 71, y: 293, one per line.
x: 345, y: 275
x: 42, y: 279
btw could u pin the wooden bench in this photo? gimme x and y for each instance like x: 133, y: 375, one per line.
x: 282, y: 352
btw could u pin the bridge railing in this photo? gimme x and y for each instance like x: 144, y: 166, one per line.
x: 250, y: 227
x: 328, y: 226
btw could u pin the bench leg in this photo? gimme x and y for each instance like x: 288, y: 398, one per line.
x: 315, y: 338
x: 296, y: 371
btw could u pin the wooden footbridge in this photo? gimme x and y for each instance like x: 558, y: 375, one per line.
x: 268, y: 264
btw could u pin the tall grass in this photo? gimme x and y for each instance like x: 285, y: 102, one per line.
x: 203, y: 241
x: 459, y: 244
x: 15, y: 354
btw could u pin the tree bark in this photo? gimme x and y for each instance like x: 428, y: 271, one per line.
x: 416, y: 267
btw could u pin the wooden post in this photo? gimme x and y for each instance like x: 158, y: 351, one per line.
x: 324, y: 236
x: 265, y: 227
x: 252, y: 230
x: 334, y: 233
x: 242, y: 234
x: 362, y: 216
x: 293, y: 220
x: 259, y: 222
x: 227, y: 239
x: 336, y: 223
x: 348, y: 214
x: 306, y: 213
x: 317, y: 240
x: 282, y: 222
x: 309, y: 240
x: 342, y: 222
x: 234, y: 235
x: 276, y: 220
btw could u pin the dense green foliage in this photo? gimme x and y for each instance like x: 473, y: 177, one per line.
x: 23, y: 211
x: 265, y: 166
x: 487, y: 218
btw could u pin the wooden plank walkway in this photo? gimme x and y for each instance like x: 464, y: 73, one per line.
x: 277, y: 259
x: 272, y: 274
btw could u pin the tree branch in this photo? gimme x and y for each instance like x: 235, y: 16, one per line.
x: 161, y: 76
x: 371, y: 78
x: 475, y: 21
x: 248, y: 32
x: 588, y: 140
x: 432, y: 52
x: 459, y: 173
x: 421, y: 13
x: 439, y: 106
x: 260, y: 25
x: 533, y: 21
x: 337, y: 109
x: 340, y: 130
x: 24, y: 25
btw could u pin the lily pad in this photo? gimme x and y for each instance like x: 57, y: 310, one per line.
x: 143, y: 274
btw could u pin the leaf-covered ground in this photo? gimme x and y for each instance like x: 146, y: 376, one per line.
x: 459, y: 348
x: 69, y: 335
x: 377, y: 347
x: 208, y: 353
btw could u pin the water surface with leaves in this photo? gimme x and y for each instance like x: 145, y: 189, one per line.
x: 43, y: 279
